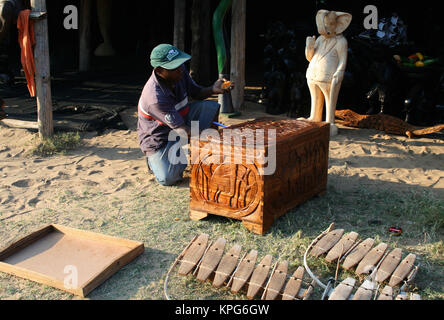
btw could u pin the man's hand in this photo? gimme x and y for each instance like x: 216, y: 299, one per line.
x: 218, y: 86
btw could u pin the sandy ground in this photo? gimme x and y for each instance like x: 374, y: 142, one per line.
x: 113, y: 160
x: 113, y: 166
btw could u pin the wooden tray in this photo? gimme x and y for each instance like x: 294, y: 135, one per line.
x: 62, y: 257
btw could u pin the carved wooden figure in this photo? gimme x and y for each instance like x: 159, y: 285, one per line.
x: 245, y: 190
x: 104, y: 13
x: 328, y: 59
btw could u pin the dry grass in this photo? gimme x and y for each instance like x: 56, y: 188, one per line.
x: 158, y: 216
x: 60, y: 143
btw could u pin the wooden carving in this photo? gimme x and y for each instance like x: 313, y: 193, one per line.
x: 233, y: 187
x: 243, y: 190
x: 384, y: 122
x: 327, y: 55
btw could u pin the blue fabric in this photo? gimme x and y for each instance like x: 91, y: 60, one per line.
x: 166, y: 172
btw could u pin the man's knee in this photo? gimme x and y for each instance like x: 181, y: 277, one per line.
x: 213, y: 105
x: 168, y: 178
x: 168, y: 181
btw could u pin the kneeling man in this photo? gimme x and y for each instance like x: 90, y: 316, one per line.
x: 165, y: 105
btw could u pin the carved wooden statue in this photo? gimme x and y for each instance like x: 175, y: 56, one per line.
x: 104, y: 10
x: 328, y: 59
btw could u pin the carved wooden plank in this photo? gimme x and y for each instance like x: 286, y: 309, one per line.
x: 402, y: 296
x: 193, y: 254
x: 388, y: 265
x: 343, y: 290
x: 307, y: 293
x: 259, y: 276
x: 415, y: 296
x: 339, y: 249
x: 358, y: 253
x: 327, y: 242
x: 277, y: 281
x: 244, y: 271
x: 386, y: 293
x: 365, y: 291
x: 294, y: 285
x: 402, y: 270
x: 227, y: 265
x: 211, y: 259
x: 371, y: 259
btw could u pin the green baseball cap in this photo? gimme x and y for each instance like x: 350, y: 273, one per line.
x: 168, y: 57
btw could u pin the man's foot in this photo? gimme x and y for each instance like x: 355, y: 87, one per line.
x: 150, y: 171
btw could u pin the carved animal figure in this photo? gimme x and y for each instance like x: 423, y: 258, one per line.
x: 104, y: 13
x: 328, y: 59
x: 384, y: 122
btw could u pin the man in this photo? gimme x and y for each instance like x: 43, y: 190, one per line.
x: 165, y: 105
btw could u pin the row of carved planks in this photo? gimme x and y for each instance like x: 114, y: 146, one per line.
x: 361, y: 254
x: 207, y: 261
x: 383, y: 265
x: 366, y: 291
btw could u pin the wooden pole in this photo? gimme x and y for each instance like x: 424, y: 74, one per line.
x: 85, y: 35
x: 237, y: 73
x: 179, y: 23
x: 201, y: 40
x: 42, y: 72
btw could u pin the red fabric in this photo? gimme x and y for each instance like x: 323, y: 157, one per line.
x: 183, y: 112
x: 27, y: 42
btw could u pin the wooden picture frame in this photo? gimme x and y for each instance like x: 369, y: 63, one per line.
x: 71, y: 260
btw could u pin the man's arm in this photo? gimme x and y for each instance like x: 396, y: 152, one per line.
x: 216, y: 88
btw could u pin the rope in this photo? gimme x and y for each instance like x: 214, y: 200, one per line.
x: 323, y: 286
x: 165, y: 285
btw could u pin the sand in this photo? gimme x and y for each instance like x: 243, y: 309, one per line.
x: 112, y: 161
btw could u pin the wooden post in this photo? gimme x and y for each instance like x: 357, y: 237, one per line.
x: 179, y: 23
x: 42, y: 72
x: 201, y: 41
x: 85, y: 35
x: 237, y: 73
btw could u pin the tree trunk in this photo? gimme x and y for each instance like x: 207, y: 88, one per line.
x: 201, y: 42
x: 85, y: 35
x: 237, y: 73
x: 179, y: 23
x: 42, y: 72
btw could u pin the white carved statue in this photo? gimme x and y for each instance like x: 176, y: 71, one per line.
x: 328, y: 59
x: 104, y: 8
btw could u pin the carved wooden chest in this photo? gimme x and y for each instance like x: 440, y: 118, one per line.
x: 259, y: 170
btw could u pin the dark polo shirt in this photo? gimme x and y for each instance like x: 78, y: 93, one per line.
x: 160, y: 110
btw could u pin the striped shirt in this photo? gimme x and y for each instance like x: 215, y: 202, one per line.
x: 161, y: 110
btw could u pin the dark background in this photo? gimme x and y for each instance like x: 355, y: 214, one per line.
x: 140, y: 25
